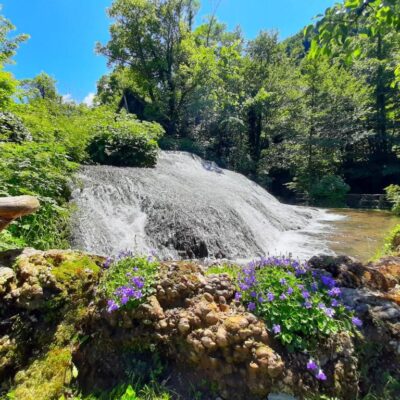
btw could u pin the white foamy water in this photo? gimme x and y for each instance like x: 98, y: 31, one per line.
x: 187, y: 207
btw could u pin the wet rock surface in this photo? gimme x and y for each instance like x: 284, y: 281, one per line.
x: 192, y: 321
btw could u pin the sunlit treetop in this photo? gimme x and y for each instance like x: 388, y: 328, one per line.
x: 342, y: 23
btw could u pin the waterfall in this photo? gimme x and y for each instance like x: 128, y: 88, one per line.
x: 186, y: 207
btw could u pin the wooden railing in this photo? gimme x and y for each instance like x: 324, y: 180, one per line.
x: 364, y: 201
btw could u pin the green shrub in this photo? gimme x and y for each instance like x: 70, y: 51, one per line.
x: 12, y: 128
x: 329, y: 191
x: 41, y: 170
x: 126, y: 143
x: 152, y: 391
x: 393, y: 195
x: 128, y: 280
x: 9, y: 242
x: 392, y: 241
x: 298, y: 306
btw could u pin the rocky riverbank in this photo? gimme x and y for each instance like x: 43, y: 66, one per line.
x: 56, y: 335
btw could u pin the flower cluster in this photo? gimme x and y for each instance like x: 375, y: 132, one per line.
x: 298, y: 304
x: 128, y: 279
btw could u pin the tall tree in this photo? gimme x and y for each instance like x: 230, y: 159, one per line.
x: 42, y: 86
x: 8, y: 46
x: 153, y: 38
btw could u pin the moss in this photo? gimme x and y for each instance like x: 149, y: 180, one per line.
x: 228, y: 269
x: 45, y: 365
x: 45, y: 378
x: 74, y: 267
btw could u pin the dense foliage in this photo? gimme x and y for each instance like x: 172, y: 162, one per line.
x: 299, y: 306
x: 128, y: 280
x: 274, y: 111
x: 42, y: 170
x: 127, y: 142
x: 44, y: 139
x: 393, y: 195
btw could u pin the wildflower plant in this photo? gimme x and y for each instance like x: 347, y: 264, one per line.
x: 300, y: 306
x: 128, y: 280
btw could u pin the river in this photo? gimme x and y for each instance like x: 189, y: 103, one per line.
x: 360, y: 233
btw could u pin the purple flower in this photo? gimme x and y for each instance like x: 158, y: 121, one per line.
x: 260, y: 299
x: 307, y: 304
x: 251, y: 306
x: 330, y: 312
x: 357, y: 321
x: 334, y: 292
x: 253, y: 294
x: 335, y: 303
x: 282, y: 296
x: 312, y: 365
x: 112, y: 306
x: 138, y: 282
x: 238, y: 296
x: 270, y: 296
x: 328, y: 281
x: 282, y: 281
x: 108, y: 262
x: 289, y: 291
x: 300, y: 271
x: 276, y: 329
x: 124, y: 299
x: 321, y: 376
x: 305, y: 294
x: 243, y: 287
x: 314, y: 286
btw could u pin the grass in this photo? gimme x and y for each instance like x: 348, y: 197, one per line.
x: 228, y: 269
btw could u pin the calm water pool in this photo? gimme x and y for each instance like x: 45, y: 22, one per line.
x: 361, y: 233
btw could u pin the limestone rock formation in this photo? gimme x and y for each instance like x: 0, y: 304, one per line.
x: 192, y: 321
x: 15, y: 207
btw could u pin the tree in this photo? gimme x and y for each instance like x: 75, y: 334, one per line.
x: 153, y: 38
x: 365, y: 35
x: 8, y: 87
x: 8, y: 46
x: 42, y: 86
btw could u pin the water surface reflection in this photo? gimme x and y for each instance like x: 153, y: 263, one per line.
x: 361, y: 233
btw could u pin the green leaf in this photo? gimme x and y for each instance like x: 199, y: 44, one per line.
x: 357, y: 52
x: 307, y: 30
x: 353, y: 3
x: 75, y: 371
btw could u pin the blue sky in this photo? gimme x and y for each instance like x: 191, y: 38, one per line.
x: 64, y: 32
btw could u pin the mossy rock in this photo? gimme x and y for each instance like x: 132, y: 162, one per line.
x: 75, y: 267
x: 45, y: 378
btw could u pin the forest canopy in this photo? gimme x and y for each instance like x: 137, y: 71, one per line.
x: 289, y: 114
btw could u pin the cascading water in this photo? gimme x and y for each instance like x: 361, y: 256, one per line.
x: 188, y: 208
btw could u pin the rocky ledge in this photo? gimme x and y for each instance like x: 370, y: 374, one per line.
x: 55, y: 332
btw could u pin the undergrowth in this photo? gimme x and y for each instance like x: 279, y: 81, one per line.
x: 128, y: 280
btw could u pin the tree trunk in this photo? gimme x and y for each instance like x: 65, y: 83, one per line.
x: 255, y: 127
